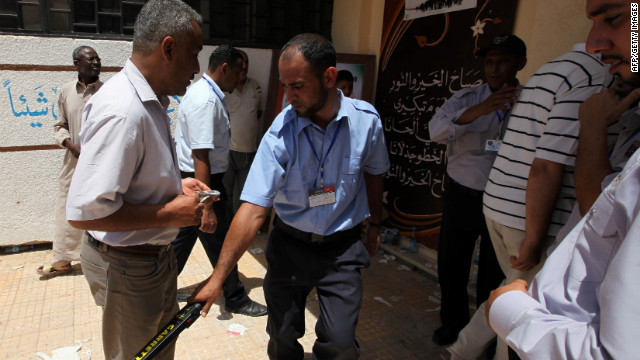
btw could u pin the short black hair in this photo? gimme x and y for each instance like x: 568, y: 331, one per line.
x: 344, y: 75
x: 224, y: 54
x: 315, y: 48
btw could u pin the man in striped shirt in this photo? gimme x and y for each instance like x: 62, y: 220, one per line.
x: 530, y: 192
x: 583, y: 303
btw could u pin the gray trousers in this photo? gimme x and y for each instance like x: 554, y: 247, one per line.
x: 137, y: 293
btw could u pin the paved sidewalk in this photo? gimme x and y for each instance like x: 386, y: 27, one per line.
x: 399, y: 312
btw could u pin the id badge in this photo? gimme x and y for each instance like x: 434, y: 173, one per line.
x: 492, y: 145
x: 322, y: 196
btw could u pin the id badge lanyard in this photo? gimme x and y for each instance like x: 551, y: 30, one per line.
x: 324, y: 158
x: 501, y: 118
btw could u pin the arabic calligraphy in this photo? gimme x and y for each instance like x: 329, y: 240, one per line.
x: 411, y: 176
x: 412, y: 98
x: 36, y: 104
x: 417, y: 154
x: 454, y: 80
x: 41, y: 107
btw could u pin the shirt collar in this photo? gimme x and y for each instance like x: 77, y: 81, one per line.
x: 302, y: 123
x: 214, y: 86
x: 81, y: 85
x: 141, y: 85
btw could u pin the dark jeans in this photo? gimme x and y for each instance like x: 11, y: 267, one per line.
x: 236, y: 175
x: 462, y: 223
x: 295, y: 268
x: 233, y: 290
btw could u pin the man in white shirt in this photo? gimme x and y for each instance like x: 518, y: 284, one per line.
x: 583, y: 303
x: 202, y: 137
x: 126, y: 189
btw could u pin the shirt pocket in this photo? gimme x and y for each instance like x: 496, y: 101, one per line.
x: 351, y: 170
x: 590, y: 257
x: 293, y: 188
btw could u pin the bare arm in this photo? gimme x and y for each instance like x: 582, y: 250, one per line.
x: 202, y: 170
x: 243, y: 230
x: 71, y: 146
x: 374, y: 186
x: 201, y: 166
x: 543, y: 186
x: 592, y: 162
x: 183, y: 210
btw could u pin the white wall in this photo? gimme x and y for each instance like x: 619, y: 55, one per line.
x: 28, y: 177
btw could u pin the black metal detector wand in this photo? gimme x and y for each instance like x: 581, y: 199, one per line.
x: 182, y: 320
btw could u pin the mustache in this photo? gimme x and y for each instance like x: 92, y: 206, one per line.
x: 614, y: 57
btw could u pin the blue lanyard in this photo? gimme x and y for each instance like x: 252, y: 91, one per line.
x: 504, y: 114
x: 218, y: 95
x: 501, y: 117
x: 333, y: 140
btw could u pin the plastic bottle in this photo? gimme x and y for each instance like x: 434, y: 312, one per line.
x: 414, y: 242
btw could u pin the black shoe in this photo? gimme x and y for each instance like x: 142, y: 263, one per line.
x: 444, y: 336
x: 251, y: 308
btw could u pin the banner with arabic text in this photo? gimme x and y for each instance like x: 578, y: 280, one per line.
x: 423, y: 61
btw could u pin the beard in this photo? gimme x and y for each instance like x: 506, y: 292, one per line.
x: 315, y: 107
x: 634, y: 81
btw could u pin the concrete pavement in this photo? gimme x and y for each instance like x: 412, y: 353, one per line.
x: 399, y: 312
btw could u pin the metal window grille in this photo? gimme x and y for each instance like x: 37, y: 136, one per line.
x: 253, y: 23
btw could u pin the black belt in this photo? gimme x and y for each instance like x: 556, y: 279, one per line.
x: 147, y: 250
x: 311, y: 238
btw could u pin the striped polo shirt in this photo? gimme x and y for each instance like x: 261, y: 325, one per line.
x: 544, y: 124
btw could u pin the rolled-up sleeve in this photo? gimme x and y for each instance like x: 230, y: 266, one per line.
x: 534, y: 333
x: 442, y: 127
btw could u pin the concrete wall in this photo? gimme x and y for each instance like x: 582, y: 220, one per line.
x: 29, y: 163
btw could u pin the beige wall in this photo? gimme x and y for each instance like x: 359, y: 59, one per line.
x: 548, y: 27
x: 357, y: 28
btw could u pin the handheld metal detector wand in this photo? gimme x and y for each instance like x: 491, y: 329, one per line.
x: 182, y: 320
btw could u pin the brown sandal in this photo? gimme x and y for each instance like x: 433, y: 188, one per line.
x: 52, y: 271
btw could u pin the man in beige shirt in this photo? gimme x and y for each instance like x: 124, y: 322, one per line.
x: 245, y: 109
x: 73, y: 96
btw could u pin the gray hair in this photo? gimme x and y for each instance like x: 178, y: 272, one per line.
x: 77, y: 51
x: 159, y: 19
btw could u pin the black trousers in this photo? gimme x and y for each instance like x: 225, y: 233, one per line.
x: 462, y: 223
x: 233, y: 289
x: 295, y: 268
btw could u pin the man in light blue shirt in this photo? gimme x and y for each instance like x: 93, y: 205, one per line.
x: 321, y: 167
x: 203, y: 139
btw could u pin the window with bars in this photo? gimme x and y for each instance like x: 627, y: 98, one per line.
x: 254, y: 23
x: 107, y: 17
